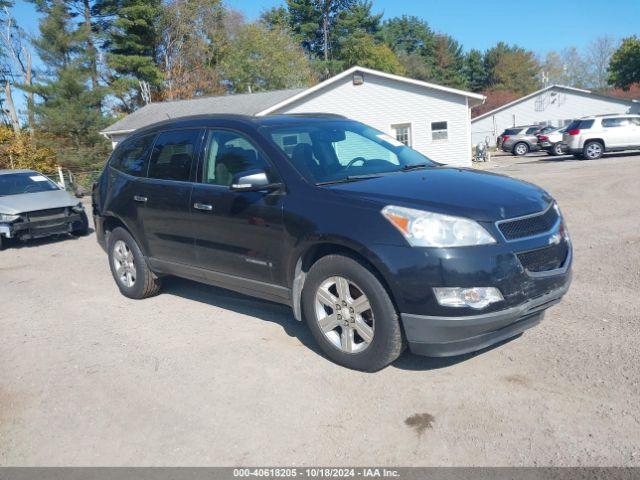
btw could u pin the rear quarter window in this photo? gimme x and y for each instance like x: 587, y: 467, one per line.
x: 512, y: 131
x: 580, y: 125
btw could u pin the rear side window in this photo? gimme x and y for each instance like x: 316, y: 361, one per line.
x: 173, y: 154
x: 615, y: 122
x: 512, y: 131
x: 580, y: 125
x: 131, y: 157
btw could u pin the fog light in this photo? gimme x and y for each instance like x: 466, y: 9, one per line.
x: 476, y: 297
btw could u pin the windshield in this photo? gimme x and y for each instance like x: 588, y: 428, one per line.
x: 335, y: 151
x: 30, y: 182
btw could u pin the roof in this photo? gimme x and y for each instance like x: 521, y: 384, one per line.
x: 190, y: 121
x: 550, y: 87
x: 7, y: 172
x: 244, y: 103
x: 479, y: 98
x: 256, y: 104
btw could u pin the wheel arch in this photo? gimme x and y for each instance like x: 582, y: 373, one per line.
x: 314, y: 252
x: 599, y: 140
x: 112, y: 222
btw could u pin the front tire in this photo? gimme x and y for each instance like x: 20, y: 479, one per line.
x: 593, y: 150
x: 520, y: 149
x: 81, y: 228
x: 351, y: 315
x: 129, y: 267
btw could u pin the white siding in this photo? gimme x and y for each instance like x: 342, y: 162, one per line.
x: 382, y: 102
x: 553, y: 105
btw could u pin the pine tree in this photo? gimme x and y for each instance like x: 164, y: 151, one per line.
x: 475, y: 72
x: 69, y: 114
x: 132, y: 38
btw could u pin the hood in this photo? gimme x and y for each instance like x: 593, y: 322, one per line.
x: 462, y: 192
x: 30, y: 202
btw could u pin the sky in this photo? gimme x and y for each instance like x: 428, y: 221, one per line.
x: 540, y: 26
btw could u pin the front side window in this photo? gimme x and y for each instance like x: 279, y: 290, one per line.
x: 131, y: 156
x: 341, y: 150
x: 228, y: 154
x: 439, y: 131
x: 29, y: 182
x: 173, y: 154
x: 402, y: 133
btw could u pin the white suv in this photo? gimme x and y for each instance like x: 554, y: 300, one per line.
x: 590, y: 137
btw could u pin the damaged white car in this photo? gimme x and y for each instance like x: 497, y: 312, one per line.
x: 32, y: 206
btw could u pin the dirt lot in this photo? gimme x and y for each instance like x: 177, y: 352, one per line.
x: 201, y: 376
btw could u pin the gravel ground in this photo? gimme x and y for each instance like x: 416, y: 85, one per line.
x: 202, y: 376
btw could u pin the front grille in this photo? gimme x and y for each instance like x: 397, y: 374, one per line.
x: 545, y: 259
x: 50, y: 214
x: 529, y: 226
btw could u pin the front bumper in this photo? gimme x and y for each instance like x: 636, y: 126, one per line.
x: 43, y: 224
x: 448, y: 336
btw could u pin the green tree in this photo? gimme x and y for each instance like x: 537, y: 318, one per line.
x: 624, y: 68
x: 447, y: 60
x: 313, y: 22
x: 259, y: 59
x: 69, y: 114
x: 362, y: 49
x: 475, y: 71
x: 132, y: 30
x: 517, y: 71
x: 407, y: 34
x: 275, y: 18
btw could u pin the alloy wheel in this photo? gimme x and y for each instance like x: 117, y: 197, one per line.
x: 521, y: 149
x: 124, y: 264
x: 594, y: 150
x: 344, y: 315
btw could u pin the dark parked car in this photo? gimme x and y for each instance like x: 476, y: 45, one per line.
x: 369, y: 241
x: 520, y: 140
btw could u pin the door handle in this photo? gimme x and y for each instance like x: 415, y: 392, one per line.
x: 203, y: 206
x: 140, y: 199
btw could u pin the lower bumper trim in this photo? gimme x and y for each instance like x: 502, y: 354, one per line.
x: 474, y: 344
x: 447, y: 336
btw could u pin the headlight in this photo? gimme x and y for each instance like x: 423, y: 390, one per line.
x: 7, y: 218
x: 78, y: 208
x: 427, y: 229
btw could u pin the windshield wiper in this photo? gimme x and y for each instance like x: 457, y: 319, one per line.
x: 350, y: 178
x: 417, y: 166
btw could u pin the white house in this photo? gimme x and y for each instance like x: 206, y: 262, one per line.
x: 556, y: 105
x: 433, y: 119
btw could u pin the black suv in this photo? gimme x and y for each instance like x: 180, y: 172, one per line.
x: 369, y: 241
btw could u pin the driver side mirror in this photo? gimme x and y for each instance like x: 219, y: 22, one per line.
x: 253, y: 181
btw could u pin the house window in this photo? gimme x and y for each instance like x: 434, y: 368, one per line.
x: 403, y: 133
x: 439, y: 131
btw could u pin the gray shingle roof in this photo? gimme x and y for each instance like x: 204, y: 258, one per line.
x: 243, y: 104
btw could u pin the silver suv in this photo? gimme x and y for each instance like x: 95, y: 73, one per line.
x: 590, y: 137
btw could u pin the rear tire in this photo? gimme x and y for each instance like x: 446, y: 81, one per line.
x: 129, y: 267
x: 520, y: 149
x: 337, y: 278
x: 557, y: 150
x: 593, y: 150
